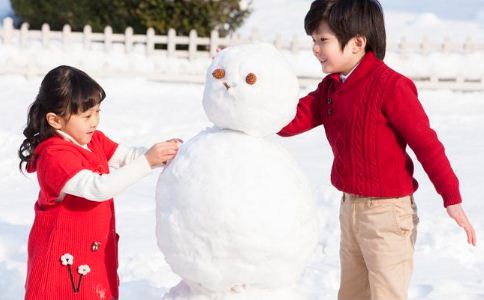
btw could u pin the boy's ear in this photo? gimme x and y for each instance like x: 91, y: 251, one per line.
x: 359, y: 44
x: 54, y: 120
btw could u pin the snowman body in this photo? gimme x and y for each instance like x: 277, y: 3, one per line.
x: 235, y: 215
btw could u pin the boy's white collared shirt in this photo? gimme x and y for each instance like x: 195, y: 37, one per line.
x: 345, y: 77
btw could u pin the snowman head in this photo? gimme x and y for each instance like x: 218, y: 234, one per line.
x: 250, y: 88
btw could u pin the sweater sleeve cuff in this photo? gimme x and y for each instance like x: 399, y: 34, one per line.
x: 452, y: 198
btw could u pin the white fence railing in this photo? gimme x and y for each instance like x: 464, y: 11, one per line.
x: 193, y: 47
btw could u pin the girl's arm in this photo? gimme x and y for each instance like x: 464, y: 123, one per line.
x: 124, y: 155
x: 102, y: 187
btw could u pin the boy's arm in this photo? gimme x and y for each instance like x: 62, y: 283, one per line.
x: 407, y: 116
x: 307, y: 116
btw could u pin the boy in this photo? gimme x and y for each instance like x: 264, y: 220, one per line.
x: 370, y: 113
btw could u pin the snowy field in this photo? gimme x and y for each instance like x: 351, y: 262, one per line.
x: 140, y: 112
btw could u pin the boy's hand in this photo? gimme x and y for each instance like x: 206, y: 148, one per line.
x: 457, y: 213
x: 160, y: 153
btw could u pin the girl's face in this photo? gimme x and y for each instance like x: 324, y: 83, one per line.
x: 328, y: 51
x: 81, y: 126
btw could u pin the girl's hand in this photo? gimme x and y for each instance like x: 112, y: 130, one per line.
x: 176, y: 140
x: 457, y: 213
x: 160, y: 153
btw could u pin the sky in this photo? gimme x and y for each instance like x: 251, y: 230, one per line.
x: 447, y: 9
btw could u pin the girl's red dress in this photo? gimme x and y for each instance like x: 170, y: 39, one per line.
x: 85, y: 229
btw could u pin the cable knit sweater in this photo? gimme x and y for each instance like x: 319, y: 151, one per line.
x: 369, y: 121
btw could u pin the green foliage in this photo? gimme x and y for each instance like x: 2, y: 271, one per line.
x: 182, y: 15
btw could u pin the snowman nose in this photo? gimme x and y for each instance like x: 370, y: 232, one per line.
x: 227, y: 86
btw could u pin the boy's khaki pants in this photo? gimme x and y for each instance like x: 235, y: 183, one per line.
x: 376, y: 249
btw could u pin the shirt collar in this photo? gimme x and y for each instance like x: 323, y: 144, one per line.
x: 344, y: 77
x: 67, y: 137
x: 366, y: 64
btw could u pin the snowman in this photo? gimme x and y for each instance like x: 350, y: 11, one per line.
x: 235, y: 216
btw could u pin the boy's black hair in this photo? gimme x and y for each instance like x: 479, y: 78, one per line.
x: 348, y: 19
x: 64, y: 91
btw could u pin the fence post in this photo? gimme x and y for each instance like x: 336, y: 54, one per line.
x: 192, y: 44
x: 108, y: 38
x: 45, y: 34
x: 424, y: 45
x: 278, y: 42
x: 446, y: 45
x: 150, y: 41
x: 214, y: 40
x: 254, y: 36
x: 468, y: 46
x: 87, y: 37
x: 459, y: 79
x: 24, y: 33
x: 294, y: 44
x: 66, y: 34
x: 402, y: 45
x: 31, y: 69
x: 171, y: 47
x: 128, y: 39
x: 7, y: 30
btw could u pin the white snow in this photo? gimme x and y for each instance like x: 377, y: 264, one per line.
x: 140, y: 112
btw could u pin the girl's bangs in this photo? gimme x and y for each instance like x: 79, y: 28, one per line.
x: 86, y: 96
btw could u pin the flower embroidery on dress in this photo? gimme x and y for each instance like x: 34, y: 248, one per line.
x: 83, y: 270
x: 67, y: 260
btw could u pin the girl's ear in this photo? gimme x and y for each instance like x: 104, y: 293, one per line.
x: 359, y: 44
x: 54, y: 120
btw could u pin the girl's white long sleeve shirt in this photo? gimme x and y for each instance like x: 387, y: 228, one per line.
x: 128, y: 165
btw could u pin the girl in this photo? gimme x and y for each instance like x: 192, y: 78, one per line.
x: 72, y: 247
x: 370, y: 114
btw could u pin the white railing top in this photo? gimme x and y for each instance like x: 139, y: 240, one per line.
x: 193, y: 47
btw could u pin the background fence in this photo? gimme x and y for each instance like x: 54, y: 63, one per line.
x: 193, y: 47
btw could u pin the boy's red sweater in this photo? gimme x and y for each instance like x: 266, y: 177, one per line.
x: 369, y: 120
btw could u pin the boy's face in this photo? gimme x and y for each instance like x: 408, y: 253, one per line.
x: 328, y: 51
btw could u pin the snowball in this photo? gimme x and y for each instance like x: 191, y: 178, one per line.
x: 235, y: 210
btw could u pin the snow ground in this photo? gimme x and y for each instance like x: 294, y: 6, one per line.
x: 445, y: 267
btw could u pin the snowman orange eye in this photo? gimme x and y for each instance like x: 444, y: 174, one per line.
x: 218, y: 73
x: 251, y: 78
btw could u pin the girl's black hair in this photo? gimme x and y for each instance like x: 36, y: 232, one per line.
x: 348, y: 19
x: 64, y: 91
